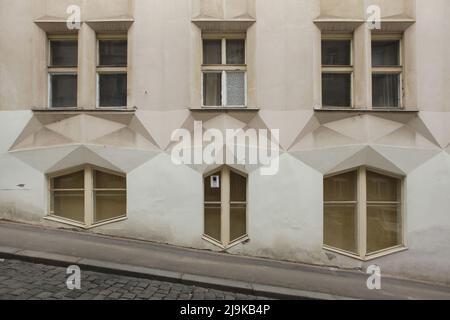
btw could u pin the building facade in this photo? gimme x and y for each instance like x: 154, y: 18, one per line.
x: 92, y: 94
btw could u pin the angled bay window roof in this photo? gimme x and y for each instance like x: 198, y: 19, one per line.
x: 53, y: 25
x: 337, y: 24
x: 222, y: 25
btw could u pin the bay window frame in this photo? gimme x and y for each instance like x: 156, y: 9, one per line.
x: 89, y: 197
x: 225, y: 204
x: 225, y: 68
x: 361, y: 215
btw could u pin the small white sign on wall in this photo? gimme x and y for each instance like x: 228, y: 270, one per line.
x: 215, y: 182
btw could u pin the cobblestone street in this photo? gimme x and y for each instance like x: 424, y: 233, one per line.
x: 28, y: 281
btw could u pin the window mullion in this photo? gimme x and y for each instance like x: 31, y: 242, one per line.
x: 225, y: 216
x: 362, y: 212
x: 88, y: 196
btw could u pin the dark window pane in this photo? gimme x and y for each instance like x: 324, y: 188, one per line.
x: 103, y: 180
x: 113, y: 90
x: 235, y: 51
x: 336, y: 52
x: 64, y: 53
x: 64, y: 91
x: 68, y: 205
x: 238, y: 187
x: 213, y: 221
x: 341, y: 187
x: 383, y: 227
x: 336, y: 90
x: 113, y: 52
x: 382, y: 188
x: 212, y: 51
x: 385, y: 53
x: 385, y: 90
x: 109, y: 205
x: 238, y: 221
x: 70, y: 181
x: 340, y: 227
x: 212, y: 89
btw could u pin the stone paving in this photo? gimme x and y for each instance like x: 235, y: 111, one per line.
x: 28, y: 281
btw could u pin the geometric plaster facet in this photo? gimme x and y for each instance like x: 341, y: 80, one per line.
x: 125, y: 138
x: 161, y: 124
x: 126, y: 160
x: 81, y: 156
x: 290, y: 124
x: 406, y: 137
x: 323, y: 137
x: 438, y: 124
x: 43, y: 159
x: 223, y: 123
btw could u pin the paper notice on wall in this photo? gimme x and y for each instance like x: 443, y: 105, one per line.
x: 215, y: 182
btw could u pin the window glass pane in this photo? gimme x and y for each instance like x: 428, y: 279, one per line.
x: 213, y: 193
x: 238, y: 187
x: 64, y: 91
x: 71, y: 181
x: 238, y: 221
x: 383, y: 227
x: 113, y: 90
x: 103, y: 180
x: 212, y: 89
x: 341, y: 187
x: 213, y: 221
x: 382, y: 188
x: 336, y: 52
x: 64, y: 53
x: 113, y: 52
x: 336, y: 90
x: 235, y: 51
x: 212, y: 51
x: 109, y: 205
x: 385, y: 53
x: 235, y: 88
x: 385, y: 90
x: 340, y: 227
x: 68, y: 205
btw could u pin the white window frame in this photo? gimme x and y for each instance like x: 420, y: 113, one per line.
x: 399, y: 70
x: 54, y: 70
x: 100, y: 70
x: 325, y: 69
x: 225, y: 224
x: 89, y: 197
x: 224, y: 68
x: 361, y: 214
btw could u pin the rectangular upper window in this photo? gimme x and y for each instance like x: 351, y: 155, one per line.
x: 63, y: 71
x: 337, y: 71
x: 112, y: 71
x: 224, y: 72
x: 387, y: 72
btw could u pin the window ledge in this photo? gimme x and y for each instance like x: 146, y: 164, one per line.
x: 80, y: 110
x: 216, y: 243
x: 81, y: 225
x: 369, y: 257
x: 224, y: 109
x: 376, y: 110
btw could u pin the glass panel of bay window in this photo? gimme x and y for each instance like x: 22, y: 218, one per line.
x: 109, y: 205
x: 113, y: 90
x: 385, y: 90
x: 385, y: 53
x: 238, y: 221
x: 113, y: 52
x: 238, y: 187
x: 213, y: 189
x: 236, y: 51
x: 341, y: 187
x: 103, y: 180
x: 383, y: 227
x: 382, y: 188
x: 336, y: 89
x: 212, y: 89
x: 64, y: 53
x: 212, y: 51
x: 336, y: 52
x: 70, y: 181
x: 340, y: 227
x: 235, y: 88
x: 63, y: 90
x: 68, y: 205
x: 213, y: 223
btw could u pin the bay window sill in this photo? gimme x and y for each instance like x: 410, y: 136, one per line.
x: 369, y: 257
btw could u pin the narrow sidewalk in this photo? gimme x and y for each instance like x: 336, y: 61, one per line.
x: 222, y: 271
